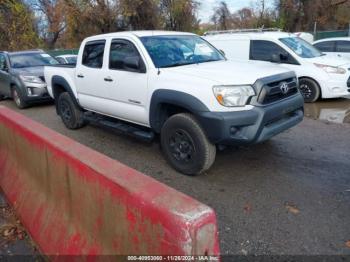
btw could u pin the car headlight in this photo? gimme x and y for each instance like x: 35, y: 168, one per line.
x: 31, y: 79
x: 233, y: 95
x: 331, y: 69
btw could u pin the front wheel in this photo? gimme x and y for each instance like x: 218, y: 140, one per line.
x: 18, y: 98
x: 309, y: 89
x: 186, y: 146
x: 71, y: 115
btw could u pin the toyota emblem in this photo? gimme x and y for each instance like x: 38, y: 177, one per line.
x: 284, y: 87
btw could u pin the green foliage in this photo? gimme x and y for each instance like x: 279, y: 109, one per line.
x: 17, y: 31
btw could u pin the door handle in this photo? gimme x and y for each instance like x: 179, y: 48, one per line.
x: 80, y: 76
x: 108, y: 79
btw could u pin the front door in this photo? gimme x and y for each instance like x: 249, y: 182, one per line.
x: 127, y: 85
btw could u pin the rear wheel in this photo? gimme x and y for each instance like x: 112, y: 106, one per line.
x: 186, y: 146
x: 18, y: 98
x: 71, y: 115
x: 309, y: 89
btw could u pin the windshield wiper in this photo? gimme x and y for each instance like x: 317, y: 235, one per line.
x: 176, y: 64
x: 210, y: 60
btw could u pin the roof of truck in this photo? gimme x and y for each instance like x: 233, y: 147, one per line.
x: 138, y: 34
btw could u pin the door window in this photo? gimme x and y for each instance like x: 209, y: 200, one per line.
x: 343, y: 46
x: 327, y: 46
x: 263, y: 50
x: 93, y: 54
x: 3, y: 64
x: 121, y: 50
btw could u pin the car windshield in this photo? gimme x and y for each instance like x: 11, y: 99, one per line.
x: 175, y: 50
x: 31, y: 60
x: 301, y: 47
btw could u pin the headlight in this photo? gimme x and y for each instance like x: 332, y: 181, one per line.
x: 31, y: 79
x: 233, y: 95
x: 331, y: 69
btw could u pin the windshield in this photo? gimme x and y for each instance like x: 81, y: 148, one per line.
x: 170, y: 50
x: 301, y: 47
x: 31, y: 60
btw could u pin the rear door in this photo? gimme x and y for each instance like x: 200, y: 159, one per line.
x: 91, y: 90
x: 4, y: 76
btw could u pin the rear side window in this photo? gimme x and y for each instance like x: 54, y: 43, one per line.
x: 121, y: 49
x: 93, y: 54
x: 327, y: 46
x: 343, y: 46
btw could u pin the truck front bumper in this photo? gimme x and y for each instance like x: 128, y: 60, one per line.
x: 253, y: 126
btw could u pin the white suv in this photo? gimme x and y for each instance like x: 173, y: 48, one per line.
x: 320, y: 76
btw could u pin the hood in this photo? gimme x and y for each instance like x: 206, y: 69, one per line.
x: 232, y: 72
x: 32, y: 71
x: 330, y: 60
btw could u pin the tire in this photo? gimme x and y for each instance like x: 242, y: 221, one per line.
x: 18, y: 98
x: 2, y: 97
x: 309, y: 89
x: 185, y: 145
x: 71, y: 115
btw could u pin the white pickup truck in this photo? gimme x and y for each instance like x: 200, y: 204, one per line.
x: 176, y: 85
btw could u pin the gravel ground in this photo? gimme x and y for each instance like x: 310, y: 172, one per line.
x: 289, y: 195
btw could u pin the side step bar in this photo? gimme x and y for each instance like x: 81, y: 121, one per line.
x: 113, y: 124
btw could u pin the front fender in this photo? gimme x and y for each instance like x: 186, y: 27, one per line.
x: 176, y: 98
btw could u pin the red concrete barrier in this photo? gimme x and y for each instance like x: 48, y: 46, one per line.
x: 74, y: 200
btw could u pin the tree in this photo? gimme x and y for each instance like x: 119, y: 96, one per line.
x: 179, y: 15
x: 52, y: 21
x: 17, y: 30
x: 140, y: 14
x: 222, y: 17
x: 300, y: 15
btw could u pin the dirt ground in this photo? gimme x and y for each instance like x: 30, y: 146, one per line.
x: 287, y: 196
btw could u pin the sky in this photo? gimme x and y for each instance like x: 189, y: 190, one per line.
x: 207, y: 6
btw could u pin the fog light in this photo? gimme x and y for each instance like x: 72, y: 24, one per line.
x: 30, y: 91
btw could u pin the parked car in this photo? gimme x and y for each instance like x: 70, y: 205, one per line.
x: 67, y: 59
x: 320, y: 76
x: 176, y: 85
x: 22, y: 76
x: 339, y: 46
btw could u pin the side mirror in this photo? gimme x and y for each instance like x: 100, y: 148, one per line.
x: 276, y: 58
x: 284, y: 57
x: 134, y: 63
